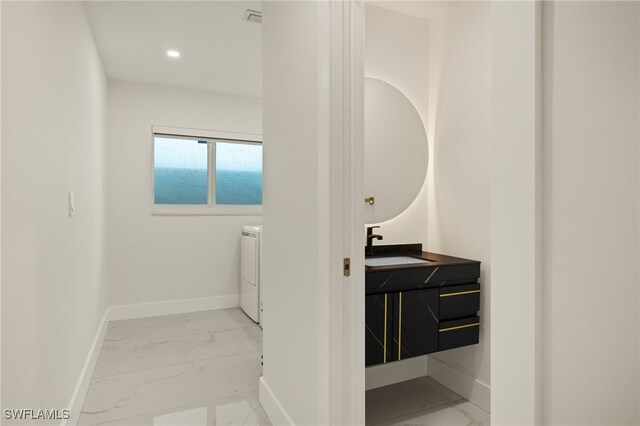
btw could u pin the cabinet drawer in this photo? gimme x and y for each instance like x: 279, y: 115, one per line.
x: 459, y: 301
x: 457, y: 333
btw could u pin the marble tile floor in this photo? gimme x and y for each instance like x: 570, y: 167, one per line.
x: 203, y: 368
x: 188, y: 369
x: 421, y: 401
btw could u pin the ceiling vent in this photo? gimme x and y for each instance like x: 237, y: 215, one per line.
x: 253, y: 16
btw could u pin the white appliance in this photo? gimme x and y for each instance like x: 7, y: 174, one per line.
x: 250, y: 271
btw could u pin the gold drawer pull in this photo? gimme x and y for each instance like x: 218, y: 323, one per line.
x: 459, y: 327
x: 460, y: 293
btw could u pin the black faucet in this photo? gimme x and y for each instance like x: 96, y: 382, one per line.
x: 370, y: 237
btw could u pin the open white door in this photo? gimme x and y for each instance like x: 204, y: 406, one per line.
x: 313, y: 108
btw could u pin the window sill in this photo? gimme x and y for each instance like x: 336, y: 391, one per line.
x: 184, y: 210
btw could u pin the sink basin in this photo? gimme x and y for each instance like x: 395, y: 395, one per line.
x: 392, y: 260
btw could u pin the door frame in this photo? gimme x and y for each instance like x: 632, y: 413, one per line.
x: 516, y: 241
x: 516, y: 211
x: 346, y: 104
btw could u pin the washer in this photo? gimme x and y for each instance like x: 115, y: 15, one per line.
x: 250, y: 243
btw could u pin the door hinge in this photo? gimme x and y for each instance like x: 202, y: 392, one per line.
x: 346, y: 266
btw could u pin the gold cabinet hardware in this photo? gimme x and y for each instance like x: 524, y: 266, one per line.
x: 370, y: 200
x: 400, y: 328
x: 459, y: 327
x: 384, y: 339
x: 460, y: 293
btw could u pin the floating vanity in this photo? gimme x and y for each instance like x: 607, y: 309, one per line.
x: 418, y: 302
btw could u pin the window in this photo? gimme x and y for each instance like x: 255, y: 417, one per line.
x: 238, y: 173
x: 206, y: 172
x: 180, y: 171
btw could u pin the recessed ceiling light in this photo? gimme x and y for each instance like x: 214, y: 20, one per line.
x: 173, y: 53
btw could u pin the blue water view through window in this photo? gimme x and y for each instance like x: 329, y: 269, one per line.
x: 183, y: 167
x: 238, y: 173
x: 180, y: 171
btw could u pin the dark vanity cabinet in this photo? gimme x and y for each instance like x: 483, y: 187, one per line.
x: 379, y: 328
x: 459, y: 323
x: 416, y: 310
x: 401, y: 325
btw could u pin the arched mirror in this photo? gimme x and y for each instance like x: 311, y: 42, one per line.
x: 396, y: 151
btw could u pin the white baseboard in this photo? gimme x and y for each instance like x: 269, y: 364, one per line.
x: 82, y: 386
x: 395, y: 372
x: 464, y: 385
x: 275, y: 411
x: 169, y: 307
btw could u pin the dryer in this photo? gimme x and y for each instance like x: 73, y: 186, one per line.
x: 250, y: 242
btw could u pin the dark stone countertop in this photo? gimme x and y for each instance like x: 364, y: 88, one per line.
x: 441, y: 271
x: 413, y: 250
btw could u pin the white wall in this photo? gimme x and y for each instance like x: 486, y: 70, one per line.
x: 460, y: 202
x: 161, y: 258
x: 53, y: 134
x: 295, y: 383
x: 590, y: 213
x: 396, y: 51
